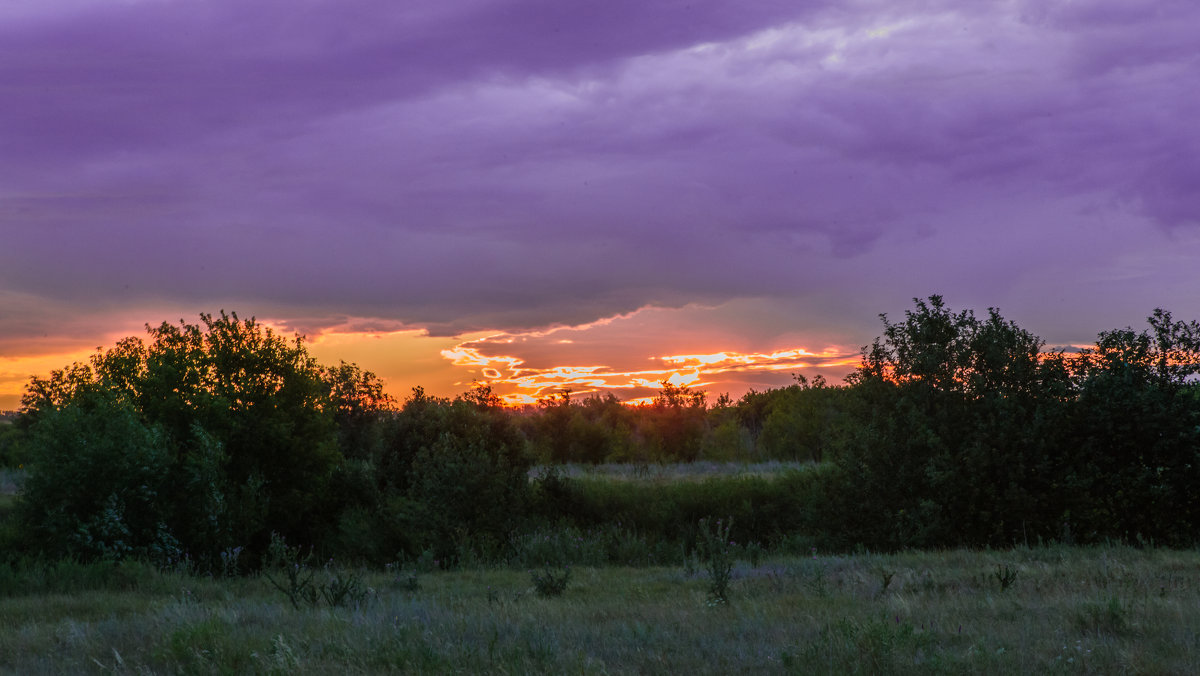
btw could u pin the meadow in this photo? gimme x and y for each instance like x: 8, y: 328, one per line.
x: 1055, y: 609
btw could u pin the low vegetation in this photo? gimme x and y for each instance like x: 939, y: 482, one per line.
x: 1068, y: 610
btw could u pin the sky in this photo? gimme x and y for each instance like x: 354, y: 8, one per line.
x: 598, y: 196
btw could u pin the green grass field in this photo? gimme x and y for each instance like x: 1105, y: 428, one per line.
x: 1068, y: 610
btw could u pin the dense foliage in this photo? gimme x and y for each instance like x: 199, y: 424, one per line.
x: 12, y: 453
x: 968, y: 432
x: 205, y: 440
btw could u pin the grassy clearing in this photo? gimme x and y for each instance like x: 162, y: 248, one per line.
x: 1067, y: 610
x: 670, y: 472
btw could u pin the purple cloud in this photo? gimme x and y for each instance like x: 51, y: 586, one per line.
x: 513, y: 165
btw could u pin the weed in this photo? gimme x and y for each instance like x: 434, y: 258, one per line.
x: 1005, y: 576
x: 754, y: 553
x: 690, y: 566
x: 717, y: 550
x: 550, y: 583
x: 814, y: 577
x: 427, y: 562
x: 344, y: 588
x: 229, y: 561
x: 403, y: 581
x: 283, y: 658
x: 296, y: 584
x: 885, y: 578
x: 186, y: 597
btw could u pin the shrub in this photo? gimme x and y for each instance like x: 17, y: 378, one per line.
x: 465, y: 486
x: 96, y: 485
x: 12, y: 447
x: 550, y: 582
x: 244, y: 422
x: 288, y: 570
x: 717, y: 552
x: 342, y: 588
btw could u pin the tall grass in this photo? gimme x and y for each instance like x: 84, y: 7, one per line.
x: 677, y: 471
x: 1069, y: 610
x: 775, y: 509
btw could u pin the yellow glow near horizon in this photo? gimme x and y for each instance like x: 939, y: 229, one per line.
x: 623, y: 355
x: 447, y: 366
x: 402, y: 359
x: 15, y: 372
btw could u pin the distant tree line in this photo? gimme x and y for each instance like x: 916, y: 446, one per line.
x: 800, y: 422
x: 954, y: 430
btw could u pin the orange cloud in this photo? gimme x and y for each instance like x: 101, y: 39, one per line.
x: 629, y: 355
x: 782, y: 360
x: 518, y: 383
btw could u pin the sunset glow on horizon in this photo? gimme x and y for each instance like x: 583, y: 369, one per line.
x: 523, y: 368
x: 517, y: 384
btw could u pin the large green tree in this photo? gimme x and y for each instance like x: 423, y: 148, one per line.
x: 1136, y: 425
x: 248, y: 421
x: 970, y: 432
x: 956, y: 441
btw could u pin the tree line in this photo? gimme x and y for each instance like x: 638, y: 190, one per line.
x: 954, y: 430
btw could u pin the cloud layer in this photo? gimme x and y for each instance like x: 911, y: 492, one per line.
x: 518, y: 165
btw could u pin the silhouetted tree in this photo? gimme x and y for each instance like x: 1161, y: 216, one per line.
x: 248, y: 420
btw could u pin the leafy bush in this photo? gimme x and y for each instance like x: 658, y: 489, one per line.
x: 243, y: 426
x: 462, y: 469
x: 12, y: 448
x: 970, y: 433
x: 96, y: 487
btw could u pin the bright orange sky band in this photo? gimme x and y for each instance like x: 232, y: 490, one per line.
x: 629, y: 356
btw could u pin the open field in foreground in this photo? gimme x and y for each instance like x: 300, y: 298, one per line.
x: 1068, y: 610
